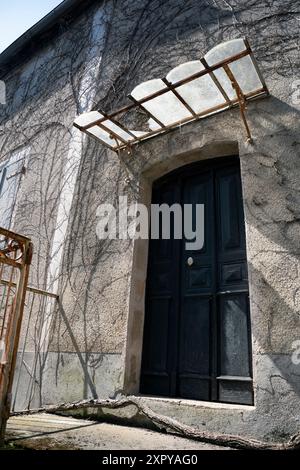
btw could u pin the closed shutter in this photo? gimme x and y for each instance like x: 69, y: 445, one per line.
x: 10, y: 177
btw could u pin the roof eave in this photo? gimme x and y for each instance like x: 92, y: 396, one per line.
x: 68, y: 9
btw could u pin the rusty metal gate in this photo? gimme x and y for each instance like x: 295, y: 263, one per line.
x: 15, y: 260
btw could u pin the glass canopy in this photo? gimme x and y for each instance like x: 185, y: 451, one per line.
x: 226, y: 76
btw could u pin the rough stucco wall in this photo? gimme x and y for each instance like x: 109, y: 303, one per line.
x: 91, y: 343
x: 44, y: 94
x: 147, y: 39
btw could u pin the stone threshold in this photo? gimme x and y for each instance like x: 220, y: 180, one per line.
x: 197, y: 403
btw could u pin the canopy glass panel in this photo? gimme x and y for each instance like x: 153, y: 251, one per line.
x: 226, y: 76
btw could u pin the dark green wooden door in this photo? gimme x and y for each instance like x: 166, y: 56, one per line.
x: 197, y: 341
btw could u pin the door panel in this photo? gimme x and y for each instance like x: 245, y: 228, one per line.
x: 156, y: 370
x: 230, y: 216
x: 195, y: 314
x: 231, y: 391
x: 233, y: 337
x: 197, y: 341
x: 194, y: 352
x: 160, y: 346
x: 234, y: 347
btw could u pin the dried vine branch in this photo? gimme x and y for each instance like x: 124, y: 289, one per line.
x: 170, y: 425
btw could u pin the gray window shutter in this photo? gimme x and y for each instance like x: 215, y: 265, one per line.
x: 10, y: 176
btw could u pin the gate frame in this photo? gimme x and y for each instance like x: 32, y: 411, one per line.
x: 14, y: 244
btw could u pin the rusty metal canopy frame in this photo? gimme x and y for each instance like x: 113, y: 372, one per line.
x: 227, y: 76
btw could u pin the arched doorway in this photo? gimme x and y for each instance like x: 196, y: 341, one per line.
x: 197, y: 339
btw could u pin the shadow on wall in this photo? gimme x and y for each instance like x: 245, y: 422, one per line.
x: 87, y: 379
x: 271, y: 176
x: 275, y: 327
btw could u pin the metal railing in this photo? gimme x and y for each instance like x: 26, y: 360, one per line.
x: 33, y: 349
x: 15, y: 260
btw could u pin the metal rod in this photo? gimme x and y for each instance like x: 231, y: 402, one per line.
x: 241, y: 99
x: 140, y: 105
x: 23, y: 352
x: 97, y: 139
x: 216, y: 82
x: 9, y: 261
x: 37, y: 351
x: 179, y: 97
x: 255, y: 65
x: 112, y: 133
x: 8, y: 298
x: 15, y: 236
x: 32, y: 289
x: 119, y: 124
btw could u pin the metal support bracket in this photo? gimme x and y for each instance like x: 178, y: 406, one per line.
x: 241, y: 99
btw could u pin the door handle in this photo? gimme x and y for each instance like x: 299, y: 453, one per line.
x: 190, y: 261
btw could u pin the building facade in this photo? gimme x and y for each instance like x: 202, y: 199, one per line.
x: 225, y: 364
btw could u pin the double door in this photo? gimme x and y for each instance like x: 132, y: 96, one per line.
x: 197, y: 339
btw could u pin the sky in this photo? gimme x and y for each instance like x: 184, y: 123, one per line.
x: 17, y: 16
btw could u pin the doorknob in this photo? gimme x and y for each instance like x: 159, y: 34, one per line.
x: 190, y: 261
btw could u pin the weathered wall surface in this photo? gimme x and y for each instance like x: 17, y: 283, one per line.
x: 44, y: 94
x: 96, y: 336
